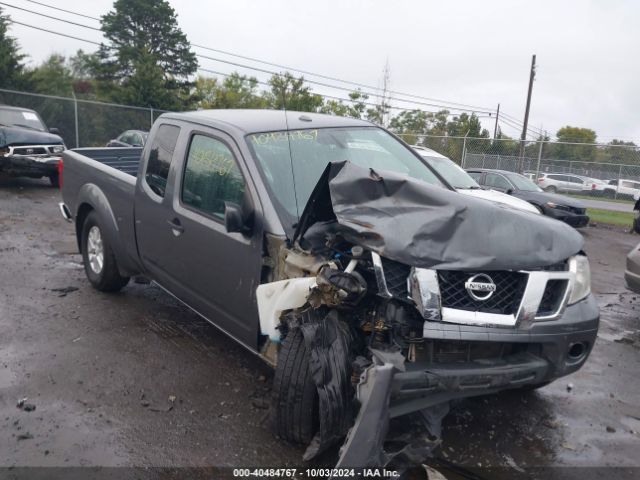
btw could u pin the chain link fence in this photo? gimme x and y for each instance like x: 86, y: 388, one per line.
x: 598, y: 170
x: 83, y: 123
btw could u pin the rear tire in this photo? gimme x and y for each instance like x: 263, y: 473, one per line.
x: 294, y: 409
x: 99, y: 260
x: 551, y: 189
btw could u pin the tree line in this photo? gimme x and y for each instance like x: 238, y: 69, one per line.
x: 147, y: 61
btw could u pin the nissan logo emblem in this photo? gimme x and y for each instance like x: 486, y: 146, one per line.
x: 480, y: 287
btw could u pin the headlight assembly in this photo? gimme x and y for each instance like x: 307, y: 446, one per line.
x: 57, y: 149
x: 579, y: 265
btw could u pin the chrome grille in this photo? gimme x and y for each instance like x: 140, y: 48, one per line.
x: 506, y: 299
x: 29, y: 151
x: 553, y: 294
x: 396, y: 274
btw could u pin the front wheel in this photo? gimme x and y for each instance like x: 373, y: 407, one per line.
x: 294, y: 414
x: 99, y: 260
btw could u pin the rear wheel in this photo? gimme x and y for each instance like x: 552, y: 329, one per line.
x: 551, y: 189
x: 99, y: 260
x: 294, y: 413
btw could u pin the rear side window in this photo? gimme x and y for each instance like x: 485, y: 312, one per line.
x: 160, y: 155
x: 497, y: 181
x: 211, y: 177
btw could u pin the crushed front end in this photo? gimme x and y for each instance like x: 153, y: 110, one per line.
x: 390, y: 334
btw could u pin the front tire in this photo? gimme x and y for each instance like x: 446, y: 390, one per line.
x: 294, y: 410
x: 99, y: 260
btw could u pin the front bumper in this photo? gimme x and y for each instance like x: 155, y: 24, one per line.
x: 573, y: 219
x: 408, y: 387
x: 35, y: 167
x: 535, y: 353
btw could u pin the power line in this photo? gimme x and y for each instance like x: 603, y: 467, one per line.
x: 50, y: 16
x: 63, y: 10
x: 55, y: 33
x: 439, y: 103
x: 200, y: 69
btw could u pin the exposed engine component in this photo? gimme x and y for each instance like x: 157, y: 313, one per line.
x: 335, y: 288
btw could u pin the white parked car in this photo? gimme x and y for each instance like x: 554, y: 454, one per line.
x: 465, y: 184
x: 624, y: 188
x: 563, y: 182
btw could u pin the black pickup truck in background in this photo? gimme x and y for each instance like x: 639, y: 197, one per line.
x: 328, y: 247
x: 27, y: 147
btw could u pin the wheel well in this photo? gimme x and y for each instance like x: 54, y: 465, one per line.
x: 83, y: 211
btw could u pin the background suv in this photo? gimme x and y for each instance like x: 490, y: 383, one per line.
x: 561, y: 182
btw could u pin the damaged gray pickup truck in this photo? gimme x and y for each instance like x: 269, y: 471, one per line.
x: 329, y: 248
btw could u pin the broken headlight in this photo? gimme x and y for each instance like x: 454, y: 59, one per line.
x: 57, y: 149
x: 579, y: 265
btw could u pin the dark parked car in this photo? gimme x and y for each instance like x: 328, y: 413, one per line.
x: 129, y: 138
x: 27, y: 147
x: 560, y: 207
x: 329, y: 248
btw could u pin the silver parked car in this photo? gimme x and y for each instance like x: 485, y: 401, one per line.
x: 563, y: 182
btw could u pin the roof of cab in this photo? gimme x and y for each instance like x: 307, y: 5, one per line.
x: 254, y: 121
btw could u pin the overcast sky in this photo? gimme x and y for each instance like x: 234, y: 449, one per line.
x: 469, y: 52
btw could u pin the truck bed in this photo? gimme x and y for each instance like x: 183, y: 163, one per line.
x: 124, y: 159
x: 105, y: 178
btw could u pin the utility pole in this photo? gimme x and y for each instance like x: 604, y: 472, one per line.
x: 523, y: 137
x: 495, y: 129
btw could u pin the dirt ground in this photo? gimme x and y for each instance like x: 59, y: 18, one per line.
x: 136, y: 379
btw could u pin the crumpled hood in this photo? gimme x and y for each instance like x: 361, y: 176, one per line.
x: 426, y: 226
x: 25, y: 136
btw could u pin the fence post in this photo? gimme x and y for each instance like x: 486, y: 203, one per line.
x: 75, y: 115
x: 464, y: 149
x: 539, y: 159
x: 615, y: 195
x: 151, y: 113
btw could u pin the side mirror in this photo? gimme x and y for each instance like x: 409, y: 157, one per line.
x: 237, y: 219
x: 509, y: 191
x: 54, y: 130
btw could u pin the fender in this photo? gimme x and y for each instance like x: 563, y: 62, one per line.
x: 93, y: 196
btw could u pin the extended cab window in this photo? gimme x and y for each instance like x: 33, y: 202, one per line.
x: 160, y: 155
x: 211, y: 177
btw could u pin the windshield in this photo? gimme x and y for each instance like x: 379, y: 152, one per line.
x: 523, y: 183
x: 21, y: 118
x: 312, y: 150
x: 451, y: 172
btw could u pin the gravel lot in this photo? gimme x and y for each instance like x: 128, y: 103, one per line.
x: 135, y: 379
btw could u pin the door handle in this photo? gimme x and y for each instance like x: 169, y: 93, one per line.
x: 176, y: 227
